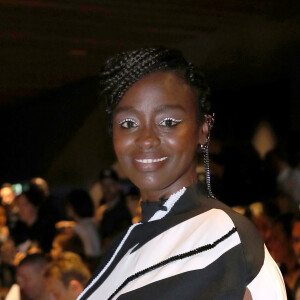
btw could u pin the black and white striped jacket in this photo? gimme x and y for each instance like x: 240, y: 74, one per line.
x: 197, y: 248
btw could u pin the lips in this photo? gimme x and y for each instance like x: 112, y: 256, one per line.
x: 147, y: 164
x: 150, y: 160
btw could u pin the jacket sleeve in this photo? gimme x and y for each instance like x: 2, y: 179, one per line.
x: 268, y: 283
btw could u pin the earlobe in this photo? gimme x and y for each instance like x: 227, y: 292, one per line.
x: 203, y: 133
x: 75, y: 286
x: 205, y: 129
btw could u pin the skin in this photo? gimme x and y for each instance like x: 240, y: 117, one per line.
x: 7, y: 195
x: 31, y: 281
x: 156, y: 135
x: 157, y: 120
x: 56, y: 250
x: 58, y: 291
x: 110, y: 189
x: 27, y: 212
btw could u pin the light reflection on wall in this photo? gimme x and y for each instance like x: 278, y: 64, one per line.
x: 264, y: 138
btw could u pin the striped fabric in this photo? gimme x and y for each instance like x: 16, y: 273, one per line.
x: 200, y: 249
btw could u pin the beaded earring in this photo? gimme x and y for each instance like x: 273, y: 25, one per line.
x: 210, y: 120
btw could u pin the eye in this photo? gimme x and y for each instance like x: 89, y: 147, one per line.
x: 128, y: 123
x: 169, y: 122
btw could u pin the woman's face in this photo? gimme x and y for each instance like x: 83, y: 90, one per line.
x: 156, y: 134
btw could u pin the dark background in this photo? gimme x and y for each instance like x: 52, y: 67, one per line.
x: 52, y: 123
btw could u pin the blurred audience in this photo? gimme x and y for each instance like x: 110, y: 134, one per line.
x: 80, y: 208
x: 286, y: 178
x: 67, y: 241
x: 262, y: 215
x: 112, y: 216
x: 66, y: 276
x: 76, y: 232
x: 33, y: 223
x: 4, y: 231
x: 7, y: 194
x: 53, y: 205
x: 30, y: 282
x: 281, y: 249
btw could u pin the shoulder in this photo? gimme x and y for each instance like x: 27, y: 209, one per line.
x: 262, y: 276
x: 250, y: 239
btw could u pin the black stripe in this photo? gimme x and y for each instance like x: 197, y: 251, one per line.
x: 172, y: 259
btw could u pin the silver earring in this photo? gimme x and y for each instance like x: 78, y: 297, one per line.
x: 204, y: 149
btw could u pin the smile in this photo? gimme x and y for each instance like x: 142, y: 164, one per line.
x: 150, y: 161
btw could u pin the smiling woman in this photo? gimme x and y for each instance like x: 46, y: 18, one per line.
x: 156, y: 134
x: 188, y: 245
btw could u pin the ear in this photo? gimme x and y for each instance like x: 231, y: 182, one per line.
x: 203, y: 132
x: 75, y: 286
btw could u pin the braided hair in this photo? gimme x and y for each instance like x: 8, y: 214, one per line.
x: 120, y: 72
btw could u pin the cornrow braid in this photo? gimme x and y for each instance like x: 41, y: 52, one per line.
x: 120, y: 72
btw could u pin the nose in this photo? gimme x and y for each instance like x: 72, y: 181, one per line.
x: 147, y: 138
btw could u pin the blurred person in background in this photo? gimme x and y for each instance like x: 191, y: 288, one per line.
x: 80, y: 208
x: 4, y: 231
x: 33, y: 232
x: 281, y: 249
x: 8, y: 196
x: 30, y: 282
x: 67, y: 241
x: 53, y: 205
x: 262, y: 214
x: 6, y: 273
x: 35, y: 225
x: 296, y: 237
x: 112, y: 216
x: 286, y: 178
x: 66, y: 277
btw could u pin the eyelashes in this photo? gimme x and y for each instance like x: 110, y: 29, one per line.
x: 128, y: 123
x: 167, y: 122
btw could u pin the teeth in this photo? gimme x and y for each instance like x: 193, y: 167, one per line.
x: 149, y: 161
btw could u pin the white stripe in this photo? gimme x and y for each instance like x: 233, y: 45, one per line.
x: 198, y: 231
x: 168, y: 204
x: 268, y: 284
x: 110, y: 261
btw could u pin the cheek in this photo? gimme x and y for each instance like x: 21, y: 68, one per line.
x: 122, y: 144
x: 185, y: 141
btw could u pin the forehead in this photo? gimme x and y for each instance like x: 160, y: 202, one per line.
x: 54, y: 284
x: 160, y: 88
x: 6, y: 191
x: 28, y: 271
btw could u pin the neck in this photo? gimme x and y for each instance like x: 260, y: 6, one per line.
x: 43, y: 296
x: 156, y: 195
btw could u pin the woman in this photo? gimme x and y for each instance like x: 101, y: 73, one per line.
x: 36, y: 226
x: 188, y: 245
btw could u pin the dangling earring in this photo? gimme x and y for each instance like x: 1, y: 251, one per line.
x: 204, y: 148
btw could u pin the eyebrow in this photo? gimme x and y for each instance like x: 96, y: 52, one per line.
x: 159, y: 108
x: 168, y: 107
x: 119, y: 109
